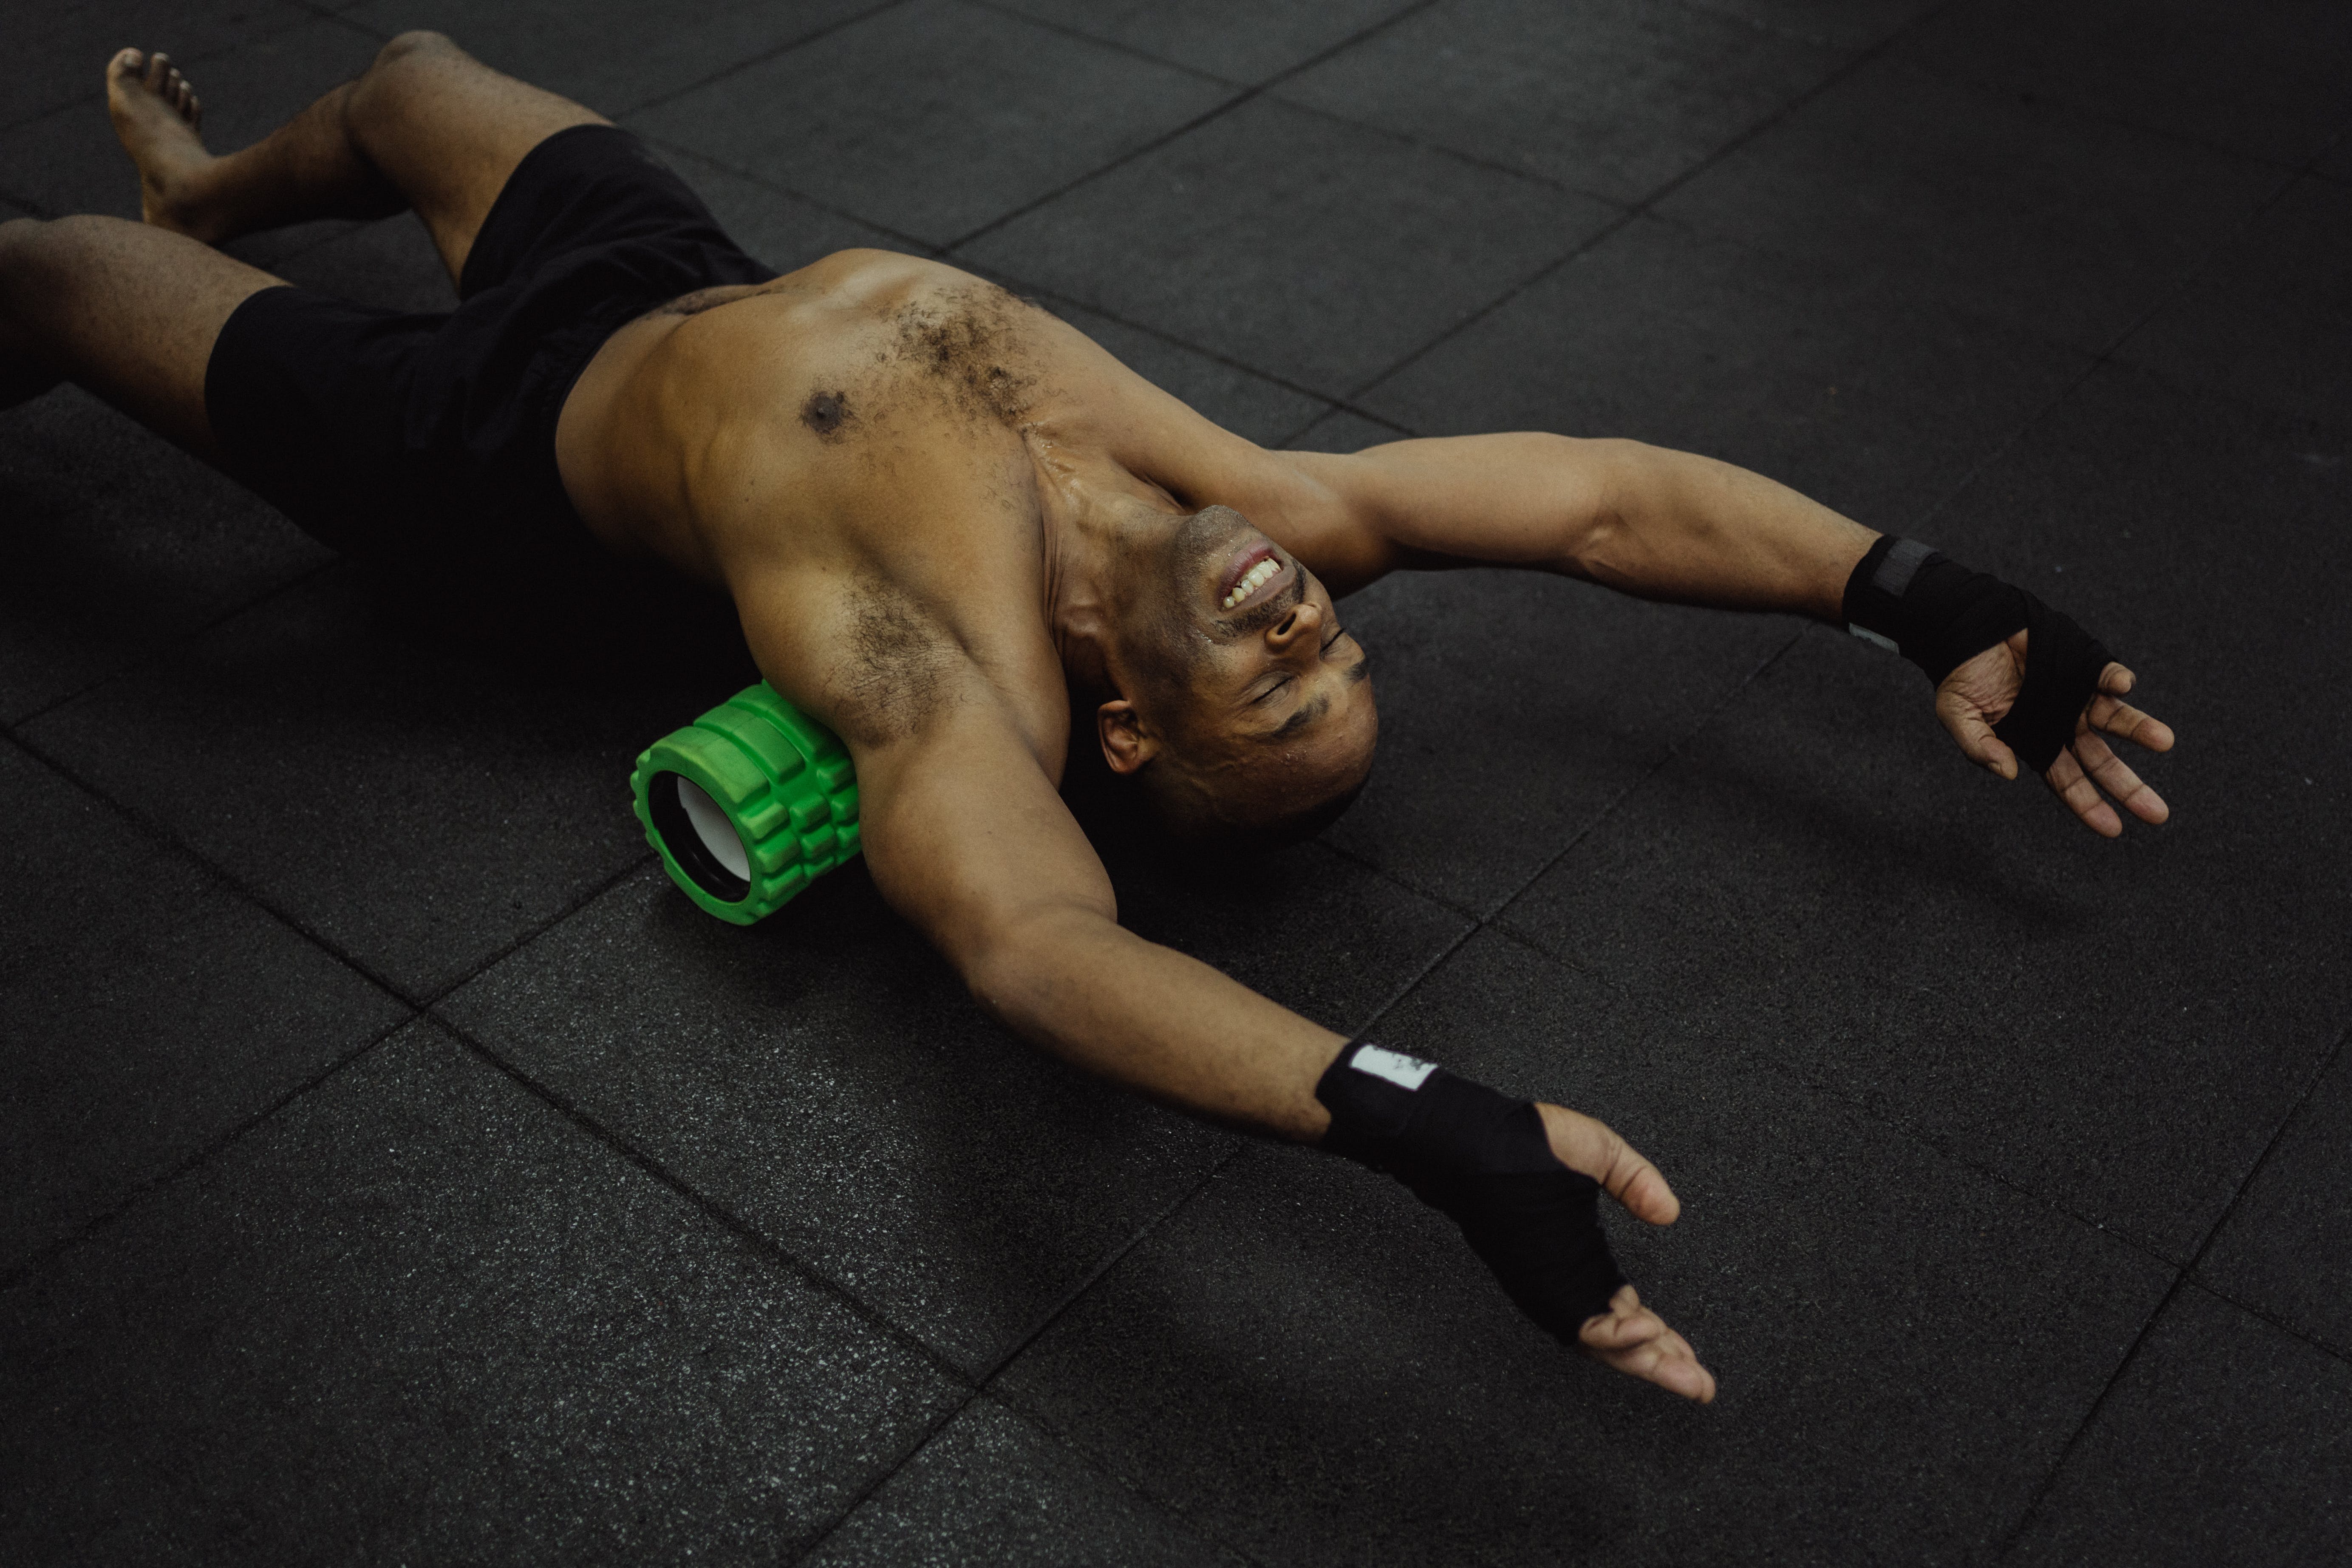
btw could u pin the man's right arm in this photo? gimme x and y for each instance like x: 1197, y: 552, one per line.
x: 968, y: 840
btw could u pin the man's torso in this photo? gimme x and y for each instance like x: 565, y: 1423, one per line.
x: 869, y: 454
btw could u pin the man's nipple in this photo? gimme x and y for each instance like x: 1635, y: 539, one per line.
x: 827, y: 413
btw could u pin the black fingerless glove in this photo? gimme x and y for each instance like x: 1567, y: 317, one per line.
x: 1910, y: 598
x: 1481, y: 1159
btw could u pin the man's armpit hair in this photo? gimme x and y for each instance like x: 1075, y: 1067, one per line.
x: 895, y: 672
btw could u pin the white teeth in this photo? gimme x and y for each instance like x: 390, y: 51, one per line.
x: 1253, y: 579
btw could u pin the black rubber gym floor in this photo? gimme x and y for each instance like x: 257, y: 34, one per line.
x: 399, y: 1169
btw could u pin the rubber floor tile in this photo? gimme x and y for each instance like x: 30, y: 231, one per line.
x: 70, y: 161
x: 419, y: 778
x: 1312, y: 250
x: 614, y: 57
x: 148, y: 1010
x: 2225, y: 1441
x: 421, y: 1317
x: 1310, y: 1366
x: 1513, y: 709
x: 2270, y: 321
x: 2044, y: 218
x: 1612, y: 97
x: 990, y: 1487
x: 1241, y: 40
x: 824, y: 1075
x: 2116, y: 1025
x: 1805, y: 371
x: 2265, y: 77
x: 2287, y: 1247
x: 113, y: 542
x: 57, y: 53
x: 934, y: 118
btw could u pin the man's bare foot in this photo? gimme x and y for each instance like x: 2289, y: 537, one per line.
x: 156, y: 114
x: 1629, y: 1336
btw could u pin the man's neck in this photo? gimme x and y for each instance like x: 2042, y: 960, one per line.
x: 1096, y: 516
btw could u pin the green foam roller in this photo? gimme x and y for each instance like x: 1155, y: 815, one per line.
x: 747, y: 804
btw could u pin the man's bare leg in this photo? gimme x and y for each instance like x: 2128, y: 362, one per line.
x: 131, y: 310
x: 427, y: 126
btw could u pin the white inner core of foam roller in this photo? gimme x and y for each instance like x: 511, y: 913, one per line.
x: 710, y: 826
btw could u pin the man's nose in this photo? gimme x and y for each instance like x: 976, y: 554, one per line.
x: 1303, y: 622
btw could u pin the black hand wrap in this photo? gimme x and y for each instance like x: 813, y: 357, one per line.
x: 1940, y: 615
x: 1483, y: 1159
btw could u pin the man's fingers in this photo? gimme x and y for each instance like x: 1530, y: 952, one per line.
x: 2115, y: 717
x: 1966, y: 725
x: 1582, y: 1143
x: 2109, y: 772
x: 1635, y: 1340
x: 2070, y: 785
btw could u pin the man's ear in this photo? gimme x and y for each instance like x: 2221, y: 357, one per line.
x: 1126, y: 745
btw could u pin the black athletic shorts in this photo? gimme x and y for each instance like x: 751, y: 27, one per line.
x: 384, y: 431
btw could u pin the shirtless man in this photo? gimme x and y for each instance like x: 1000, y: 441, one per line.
x: 949, y: 522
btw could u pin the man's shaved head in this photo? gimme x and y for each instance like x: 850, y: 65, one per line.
x: 1246, y: 710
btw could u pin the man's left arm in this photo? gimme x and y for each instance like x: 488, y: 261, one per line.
x: 1674, y: 526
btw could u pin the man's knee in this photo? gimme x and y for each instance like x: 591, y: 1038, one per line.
x: 406, y: 71
x: 420, y: 41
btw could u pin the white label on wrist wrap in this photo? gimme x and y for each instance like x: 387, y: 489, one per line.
x: 1866, y: 635
x: 1399, y: 1069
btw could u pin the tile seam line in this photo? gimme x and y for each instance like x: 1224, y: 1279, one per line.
x: 1673, y: 749
x: 1446, y: 149
x: 2186, y: 1277
x: 2108, y: 118
x: 204, y: 1155
x: 1047, y: 24
x: 2108, y: 355
x: 1641, y: 207
x: 158, y: 832
x: 1246, y: 95
x: 979, y: 1388
x: 710, y: 1208
x: 1198, y: 1528
x: 1883, y: 1117
x: 1396, y: 881
x: 156, y: 653
x: 410, y: 1008
x: 662, y: 100
x: 1886, y: 1116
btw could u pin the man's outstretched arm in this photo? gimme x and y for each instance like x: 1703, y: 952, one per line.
x: 968, y: 840
x: 1674, y: 526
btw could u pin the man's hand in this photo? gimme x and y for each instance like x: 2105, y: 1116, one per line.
x: 1629, y: 1336
x: 1975, y: 697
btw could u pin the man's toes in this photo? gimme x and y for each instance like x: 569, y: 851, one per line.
x: 159, y: 70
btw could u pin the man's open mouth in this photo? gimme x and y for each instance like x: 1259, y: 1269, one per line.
x: 1257, y: 572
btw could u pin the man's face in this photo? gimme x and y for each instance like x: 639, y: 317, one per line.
x: 1263, y: 697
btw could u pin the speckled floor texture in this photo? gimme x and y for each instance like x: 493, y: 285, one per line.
x: 399, y: 1170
